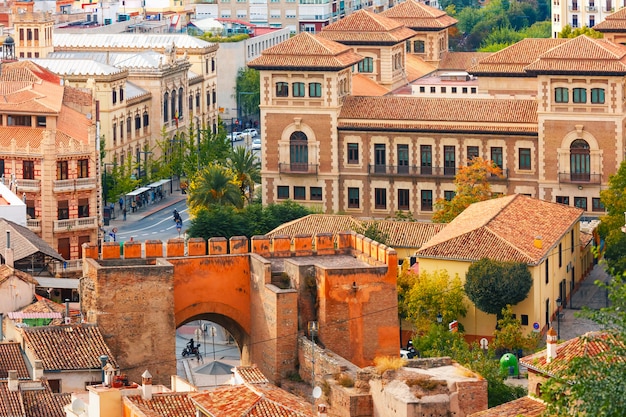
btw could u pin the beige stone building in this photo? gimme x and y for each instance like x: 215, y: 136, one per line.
x: 48, y: 155
x: 549, y: 112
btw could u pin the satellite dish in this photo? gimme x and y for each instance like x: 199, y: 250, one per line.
x: 78, y: 406
x: 317, y: 392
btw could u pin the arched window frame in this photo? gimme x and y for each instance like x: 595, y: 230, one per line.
x: 580, y: 160
x: 299, y: 151
x: 166, y: 103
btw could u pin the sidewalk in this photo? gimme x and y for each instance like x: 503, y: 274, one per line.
x: 145, y: 211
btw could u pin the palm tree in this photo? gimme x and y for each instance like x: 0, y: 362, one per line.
x: 247, y: 170
x: 214, y: 185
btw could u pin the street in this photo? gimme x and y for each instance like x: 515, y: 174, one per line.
x: 159, y: 225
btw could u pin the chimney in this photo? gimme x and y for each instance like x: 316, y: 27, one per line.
x: 146, y: 385
x: 551, y: 348
x: 12, y: 382
x: 103, y: 361
x: 37, y: 370
x: 8, y: 253
x: 538, y: 242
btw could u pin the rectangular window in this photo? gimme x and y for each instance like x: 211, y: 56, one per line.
x: 580, y: 95
x: 41, y: 121
x: 28, y: 170
x: 316, y: 193
x: 114, y: 133
x: 472, y: 152
x: 426, y: 159
x: 353, y: 153
x: 353, y: 198
x: 448, y: 195
x: 561, y: 95
x: 83, y: 207
x: 367, y: 65
x: 14, y: 120
x: 61, y: 170
x: 422, y: 89
x: 403, y: 159
x: 283, y: 192
x: 453, y: 90
x: 418, y: 47
x: 63, y: 210
x: 560, y: 255
x: 561, y: 199
x: 547, y: 270
x: 380, y: 157
x: 449, y: 161
x: 427, y: 200
x: 596, y: 204
x: 571, y: 243
x: 524, y: 320
x: 282, y: 90
x: 403, y: 199
x: 30, y: 209
x: 297, y: 89
x: 299, y: 193
x: 83, y: 168
x: 580, y: 202
x: 315, y: 90
x: 496, y: 156
x: 524, y: 159
x: 597, y: 95
x: 380, y: 198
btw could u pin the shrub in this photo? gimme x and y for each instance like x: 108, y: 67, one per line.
x: 388, y: 363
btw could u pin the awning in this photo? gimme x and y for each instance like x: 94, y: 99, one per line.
x: 159, y: 183
x: 137, y: 192
x: 14, y: 315
x: 63, y: 283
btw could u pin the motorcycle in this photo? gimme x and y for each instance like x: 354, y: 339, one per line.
x: 177, y: 217
x: 193, y: 351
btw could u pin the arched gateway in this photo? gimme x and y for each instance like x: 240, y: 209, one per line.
x: 264, y: 297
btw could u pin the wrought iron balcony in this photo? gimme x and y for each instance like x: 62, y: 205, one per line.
x: 419, y: 171
x: 297, y: 168
x: 580, y: 178
x: 591, y: 8
x: 61, y: 186
x: 81, y: 223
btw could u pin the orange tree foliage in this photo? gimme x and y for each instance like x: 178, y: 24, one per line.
x: 472, y: 185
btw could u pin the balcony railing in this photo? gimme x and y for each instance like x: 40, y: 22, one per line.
x: 74, y: 184
x: 580, y: 178
x: 34, y: 225
x: 75, y: 224
x: 297, y: 168
x: 412, y: 170
x: 591, y: 8
x: 29, y: 185
x: 61, y: 268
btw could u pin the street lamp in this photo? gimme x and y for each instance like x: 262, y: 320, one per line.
x: 558, y: 317
x: 439, y: 318
x: 313, y: 329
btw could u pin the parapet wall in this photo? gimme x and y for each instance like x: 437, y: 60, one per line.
x: 322, y: 244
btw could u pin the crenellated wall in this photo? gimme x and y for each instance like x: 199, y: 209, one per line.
x: 264, y: 291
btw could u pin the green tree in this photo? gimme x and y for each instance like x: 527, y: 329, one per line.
x: 247, y: 91
x: 218, y: 221
x: 568, y: 32
x: 373, y: 231
x: 213, y: 185
x: 247, y: 169
x: 124, y: 180
x: 491, y: 285
x: 594, y: 385
x: 472, y: 185
x: 509, y: 335
x: 431, y: 294
x: 614, y: 200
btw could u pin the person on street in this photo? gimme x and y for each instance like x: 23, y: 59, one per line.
x: 124, y: 212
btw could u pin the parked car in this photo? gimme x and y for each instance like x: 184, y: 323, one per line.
x: 252, y: 132
x: 256, y: 144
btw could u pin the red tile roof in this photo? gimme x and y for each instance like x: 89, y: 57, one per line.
x: 11, y: 359
x: 169, y: 404
x: 71, y: 347
x: 503, y: 229
x: 364, y: 85
x: 251, y: 375
x: 522, y: 407
x: 306, y: 52
x: 590, y: 344
x: 416, y: 68
x: 418, y: 16
x: 259, y: 400
x: 615, y: 22
x: 364, y: 27
x: 43, y: 402
x: 10, y: 402
x: 461, y: 61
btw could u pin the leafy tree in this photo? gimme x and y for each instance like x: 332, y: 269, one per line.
x: 124, y: 180
x: 247, y: 169
x: 472, y: 185
x: 567, y: 32
x: 213, y: 185
x: 509, y: 335
x: 248, y: 82
x: 594, y: 385
x: 275, y: 215
x: 491, y: 285
x: 374, y: 232
x: 431, y: 294
x: 614, y: 200
x: 503, y: 36
x: 218, y: 221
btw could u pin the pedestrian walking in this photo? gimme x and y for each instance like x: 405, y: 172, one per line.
x: 121, y: 203
x: 124, y: 212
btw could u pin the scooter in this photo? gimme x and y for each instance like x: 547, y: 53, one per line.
x: 193, y: 351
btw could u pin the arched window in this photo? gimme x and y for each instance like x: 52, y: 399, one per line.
x: 166, y: 99
x: 137, y: 122
x: 579, y: 160
x: 180, y: 103
x: 298, y: 152
x: 146, y: 121
x: 173, y: 105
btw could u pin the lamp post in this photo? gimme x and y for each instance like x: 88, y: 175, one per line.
x: 439, y: 318
x: 558, y: 317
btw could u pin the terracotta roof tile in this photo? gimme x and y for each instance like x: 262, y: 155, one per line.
x: 364, y: 85
x: 259, y: 400
x: 416, y: 68
x: 68, y: 347
x: 43, y: 402
x: 590, y: 344
x: 515, y: 58
x: 306, y: 51
x: 461, y: 61
x: 582, y: 54
x: 74, y: 125
x: 522, y: 407
x: 170, y: 404
x: 11, y: 359
x: 365, y: 27
x: 44, y: 305
x: 418, y: 16
x: 251, y: 375
x: 10, y: 402
x: 503, y: 229
x: 613, y: 22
